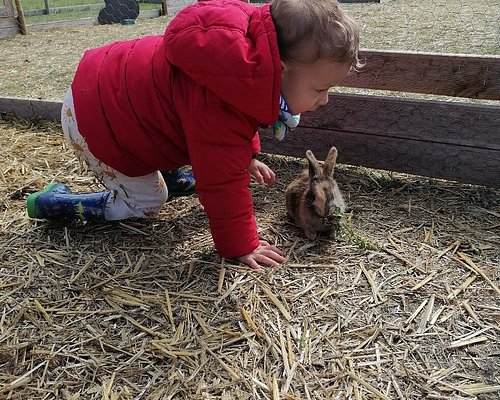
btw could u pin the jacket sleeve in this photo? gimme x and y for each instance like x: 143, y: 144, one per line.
x: 220, y: 154
x: 256, y: 144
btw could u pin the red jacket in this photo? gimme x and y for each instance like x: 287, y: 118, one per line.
x: 195, y: 95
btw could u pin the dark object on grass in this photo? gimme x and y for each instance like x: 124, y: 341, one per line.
x: 116, y: 11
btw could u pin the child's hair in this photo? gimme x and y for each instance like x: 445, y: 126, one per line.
x: 309, y: 30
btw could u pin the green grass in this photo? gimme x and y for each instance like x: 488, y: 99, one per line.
x: 347, y: 233
x: 40, y: 4
x: 29, y: 5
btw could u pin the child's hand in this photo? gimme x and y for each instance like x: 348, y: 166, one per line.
x: 261, y: 173
x: 264, y: 255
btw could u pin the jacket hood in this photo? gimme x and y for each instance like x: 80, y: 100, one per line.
x: 231, y: 48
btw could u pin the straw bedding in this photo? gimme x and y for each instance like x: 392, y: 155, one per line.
x: 403, y: 303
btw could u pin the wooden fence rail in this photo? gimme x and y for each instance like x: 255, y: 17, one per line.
x: 472, y: 76
x: 9, y: 25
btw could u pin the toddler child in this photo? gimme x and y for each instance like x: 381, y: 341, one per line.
x: 197, y: 95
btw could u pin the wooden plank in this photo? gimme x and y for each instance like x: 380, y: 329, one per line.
x: 438, y: 160
x: 10, y: 29
x: 20, y: 17
x: 31, y: 108
x: 8, y: 22
x: 460, y: 75
x: 461, y: 123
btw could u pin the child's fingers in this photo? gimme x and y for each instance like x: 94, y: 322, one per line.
x: 267, y: 255
x: 269, y: 177
x: 269, y: 260
x: 264, y: 245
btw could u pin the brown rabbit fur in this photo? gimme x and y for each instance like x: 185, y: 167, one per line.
x: 313, y: 199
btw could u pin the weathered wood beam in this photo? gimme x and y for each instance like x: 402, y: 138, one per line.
x: 8, y: 27
x: 473, y: 76
x: 450, y: 162
x: 31, y: 108
x: 465, y: 124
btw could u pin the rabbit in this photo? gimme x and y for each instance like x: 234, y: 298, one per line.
x: 313, y: 199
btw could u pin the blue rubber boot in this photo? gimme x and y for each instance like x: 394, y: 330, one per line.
x: 179, y: 183
x: 56, y: 201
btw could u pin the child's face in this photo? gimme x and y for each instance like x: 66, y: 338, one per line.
x: 305, y: 87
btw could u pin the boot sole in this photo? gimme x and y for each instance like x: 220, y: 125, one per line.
x: 31, y: 200
x: 185, y: 193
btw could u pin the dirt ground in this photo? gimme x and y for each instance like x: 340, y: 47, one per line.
x: 403, y: 304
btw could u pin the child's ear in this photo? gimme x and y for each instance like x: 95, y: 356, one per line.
x: 283, y: 66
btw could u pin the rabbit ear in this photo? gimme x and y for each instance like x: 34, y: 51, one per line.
x: 314, y: 169
x: 331, y: 158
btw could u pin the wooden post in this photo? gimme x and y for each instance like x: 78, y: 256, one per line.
x: 164, y: 7
x: 20, y: 18
x: 47, y: 10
